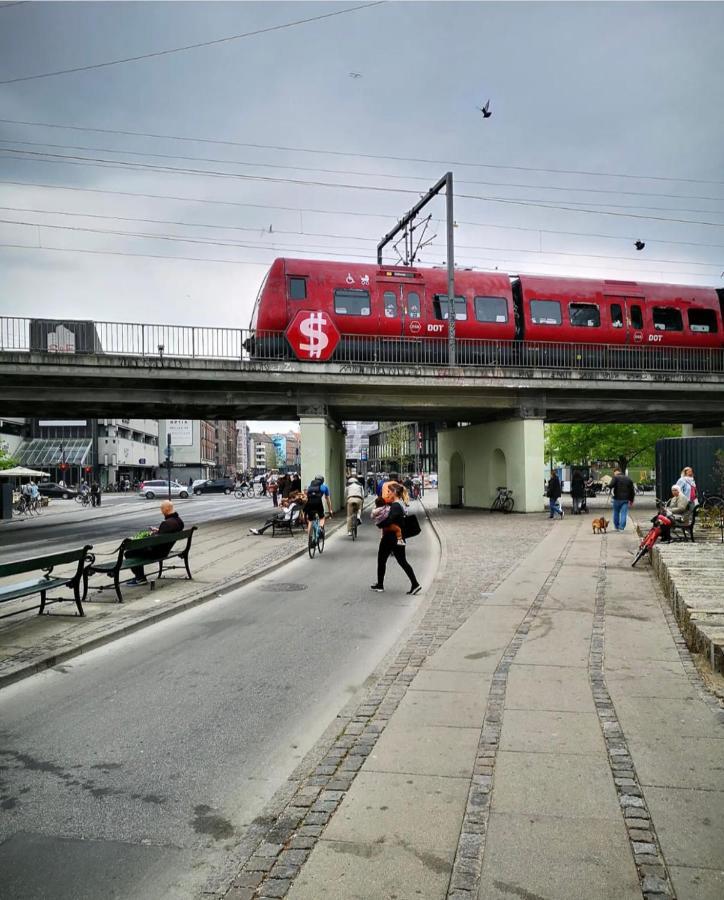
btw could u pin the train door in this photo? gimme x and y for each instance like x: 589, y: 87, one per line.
x: 635, y: 320
x: 402, y: 310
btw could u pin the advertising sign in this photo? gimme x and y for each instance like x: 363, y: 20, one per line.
x: 181, y: 431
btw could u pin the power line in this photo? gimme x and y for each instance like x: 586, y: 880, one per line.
x: 425, y: 178
x: 187, y: 47
x: 235, y: 262
x: 352, y: 237
x: 176, y: 170
x: 325, y: 151
x: 331, y: 212
x: 16, y: 3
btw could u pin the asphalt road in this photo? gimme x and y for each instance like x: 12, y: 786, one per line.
x: 133, y: 771
x: 67, y: 523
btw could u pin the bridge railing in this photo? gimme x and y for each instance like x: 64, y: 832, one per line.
x: 20, y: 334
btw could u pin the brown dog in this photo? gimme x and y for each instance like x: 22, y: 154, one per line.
x: 599, y: 525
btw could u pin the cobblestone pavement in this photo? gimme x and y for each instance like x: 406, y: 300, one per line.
x: 542, y: 734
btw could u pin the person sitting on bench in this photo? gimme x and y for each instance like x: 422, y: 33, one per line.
x: 287, y: 516
x: 172, y: 522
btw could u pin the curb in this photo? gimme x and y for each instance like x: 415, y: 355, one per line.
x: 204, y: 595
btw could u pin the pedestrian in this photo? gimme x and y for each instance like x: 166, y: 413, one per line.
x: 553, y: 493
x: 622, y: 493
x: 171, y: 524
x: 354, y: 497
x: 296, y: 485
x: 274, y: 491
x: 95, y: 494
x: 191, y: 481
x: 262, y: 482
x: 370, y: 484
x: 687, y: 485
x: 578, y: 492
x: 389, y: 546
x: 284, y: 486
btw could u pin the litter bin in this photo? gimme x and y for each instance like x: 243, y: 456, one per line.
x: 6, y: 501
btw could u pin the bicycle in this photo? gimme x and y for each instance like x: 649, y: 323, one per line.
x: 504, y: 501
x: 653, y: 535
x: 315, y: 540
x: 355, y: 524
x: 84, y: 499
x: 244, y: 491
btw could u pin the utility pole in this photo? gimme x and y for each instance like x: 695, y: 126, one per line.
x: 168, y: 462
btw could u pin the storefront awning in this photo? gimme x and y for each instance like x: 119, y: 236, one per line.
x: 47, y: 452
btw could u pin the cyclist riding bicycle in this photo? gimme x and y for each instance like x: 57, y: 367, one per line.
x: 317, y: 492
x: 354, y: 497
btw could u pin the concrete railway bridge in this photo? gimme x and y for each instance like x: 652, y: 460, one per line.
x: 490, y: 410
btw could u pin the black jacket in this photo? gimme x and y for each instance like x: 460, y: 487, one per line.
x: 578, y: 486
x: 171, y: 524
x: 554, y: 488
x: 622, y: 488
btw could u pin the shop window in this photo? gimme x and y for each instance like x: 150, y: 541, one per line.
x: 491, y: 309
x: 702, y: 320
x: 545, y: 312
x: 667, y: 318
x: 349, y: 302
x: 297, y: 288
x: 584, y: 315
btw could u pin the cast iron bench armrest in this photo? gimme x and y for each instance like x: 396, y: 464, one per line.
x: 47, y: 582
x: 686, y: 524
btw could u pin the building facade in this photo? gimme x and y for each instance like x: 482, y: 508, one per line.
x: 242, y: 447
x: 403, y: 447
x: 357, y: 444
x: 263, y: 452
x: 127, y: 450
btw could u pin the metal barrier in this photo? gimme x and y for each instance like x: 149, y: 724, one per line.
x: 67, y: 336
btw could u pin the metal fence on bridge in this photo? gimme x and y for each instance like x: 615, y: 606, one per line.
x: 55, y: 336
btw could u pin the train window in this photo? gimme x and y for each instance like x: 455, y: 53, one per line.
x: 297, y: 288
x: 584, y: 315
x: 351, y: 302
x: 545, y: 312
x: 441, y: 308
x: 667, y: 318
x: 702, y: 320
x: 390, y: 298
x: 413, y: 305
x: 637, y: 319
x: 616, y: 315
x: 491, y: 309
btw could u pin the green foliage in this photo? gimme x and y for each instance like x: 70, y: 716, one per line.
x: 6, y: 461
x: 619, y: 444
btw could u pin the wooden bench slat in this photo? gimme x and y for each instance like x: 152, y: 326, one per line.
x: 48, y: 582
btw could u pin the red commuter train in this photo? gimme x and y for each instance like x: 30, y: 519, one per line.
x: 407, y: 305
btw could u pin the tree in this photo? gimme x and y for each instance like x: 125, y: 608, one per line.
x: 621, y: 444
x: 6, y: 461
x: 397, y: 444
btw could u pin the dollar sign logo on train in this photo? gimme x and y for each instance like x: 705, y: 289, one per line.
x: 313, y: 329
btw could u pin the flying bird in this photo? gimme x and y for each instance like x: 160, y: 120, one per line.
x: 355, y: 74
x: 639, y: 245
x: 485, y: 110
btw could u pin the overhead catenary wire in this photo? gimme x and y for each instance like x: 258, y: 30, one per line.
x: 352, y: 237
x: 175, y: 170
x: 329, y: 212
x: 329, y: 152
x: 347, y: 172
x: 187, y: 47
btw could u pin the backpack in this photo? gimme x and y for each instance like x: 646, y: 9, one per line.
x: 314, y: 491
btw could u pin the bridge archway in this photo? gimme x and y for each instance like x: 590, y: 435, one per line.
x: 498, y: 471
x: 457, y: 480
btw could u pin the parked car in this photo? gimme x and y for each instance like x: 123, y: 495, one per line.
x: 215, y: 486
x: 151, y: 489
x: 51, y: 489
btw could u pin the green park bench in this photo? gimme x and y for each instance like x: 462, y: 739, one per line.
x: 48, y: 581
x: 125, y: 559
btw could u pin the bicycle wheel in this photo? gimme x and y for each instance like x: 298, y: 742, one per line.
x: 312, y: 542
x: 320, y: 540
x: 508, y: 504
x: 354, y: 529
x: 239, y: 494
x: 713, y: 503
x: 496, y: 505
x: 79, y: 498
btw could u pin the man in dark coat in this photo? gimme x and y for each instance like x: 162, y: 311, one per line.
x: 553, y: 493
x: 622, y: 494
x: 172, y: 523
x: 578, y: 492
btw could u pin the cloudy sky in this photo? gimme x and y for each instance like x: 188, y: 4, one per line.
x: 607, y: 127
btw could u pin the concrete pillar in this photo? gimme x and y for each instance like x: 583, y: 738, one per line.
x: 323, y: 453
x: 474, y: 461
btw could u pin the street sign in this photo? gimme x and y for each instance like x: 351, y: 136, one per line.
x: 167, y: 452
x: 313, y: 335
x: 141, y: 462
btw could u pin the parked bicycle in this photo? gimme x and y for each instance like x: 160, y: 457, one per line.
x: 503, y: 502
x: 316, y: 538
x: 654, y: 533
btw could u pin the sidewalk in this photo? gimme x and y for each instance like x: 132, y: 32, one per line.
x: 223, y: 556
x: 545, y: 739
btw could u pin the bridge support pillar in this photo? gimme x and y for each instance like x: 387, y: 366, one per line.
x: 323, y: 453
x: 475, y: 460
